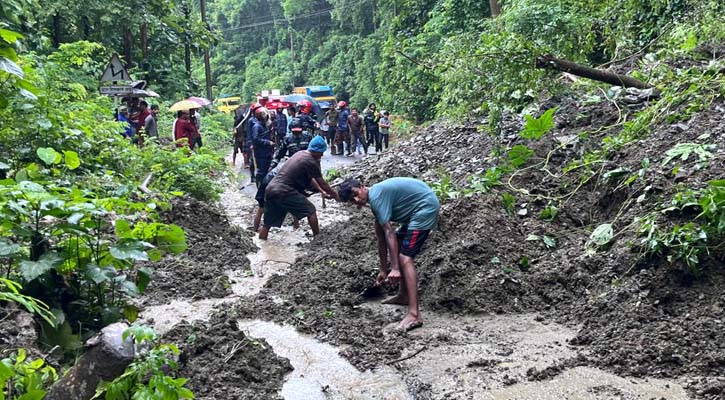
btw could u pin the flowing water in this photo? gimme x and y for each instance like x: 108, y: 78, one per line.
x: 474, y: 357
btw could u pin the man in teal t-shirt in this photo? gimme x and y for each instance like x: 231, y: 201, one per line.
x: 413, y: 205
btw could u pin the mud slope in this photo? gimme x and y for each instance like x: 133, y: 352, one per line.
x: 636, y: 318
x: 222, y: 363
x: 215, y: 247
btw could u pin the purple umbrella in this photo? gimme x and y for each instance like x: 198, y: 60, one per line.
x: 200, y: 101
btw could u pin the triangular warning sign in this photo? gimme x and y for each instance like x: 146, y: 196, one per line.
x: 115, y: 71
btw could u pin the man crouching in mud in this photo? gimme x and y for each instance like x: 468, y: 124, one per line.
x: 413, y: 205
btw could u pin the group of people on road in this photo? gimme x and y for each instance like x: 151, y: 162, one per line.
x: 348, y: 131
x: 284, y: 189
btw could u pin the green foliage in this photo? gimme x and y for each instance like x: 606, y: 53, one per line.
x: 549, y: 213
x: 535, y: 128
x: 519, y: 154
x: 183, y: 171
x: 444, y: 187
x: 145, y: 379
x: 704, y: 153
x: 10, y: 291
x: 76, y: 243
x: 602, y: 235
x: 25, y: 379
x: 687, y: 242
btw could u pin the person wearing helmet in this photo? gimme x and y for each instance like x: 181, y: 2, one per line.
x: 304, y: 113
x: 262, y: 144
x: 298, y: 140
x: 285, y: 193
x: 251, y: 120
x: 342, y: 136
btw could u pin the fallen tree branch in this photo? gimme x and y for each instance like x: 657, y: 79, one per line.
x: 409, y: 356
x: 548, y: 61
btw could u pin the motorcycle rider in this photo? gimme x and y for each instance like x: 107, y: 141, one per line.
x: 304, y: 113
x: 298, y: 140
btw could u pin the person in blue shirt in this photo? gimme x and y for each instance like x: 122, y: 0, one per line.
x: 412, y: 204
x: 262, y: 144
x: 123, y: 117
x: 343, y: 130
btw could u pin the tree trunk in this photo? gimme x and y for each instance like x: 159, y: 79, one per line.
x: 495, y: 8
x: 57, y: 23
x: 186, y: 10
x: 106, y: 359
x: 127, y: 46
x: 144, y: 31
x: 207, y: 66
x: 549, y: 62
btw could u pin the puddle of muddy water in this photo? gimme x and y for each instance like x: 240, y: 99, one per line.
x: 487, y: 357
x: 320, y: 372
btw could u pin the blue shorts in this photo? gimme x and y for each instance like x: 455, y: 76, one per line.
x: 411, y: 240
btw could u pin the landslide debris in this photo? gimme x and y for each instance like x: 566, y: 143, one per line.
x: 637, y: 317
x: 222, y: 363
x: 215, y: 247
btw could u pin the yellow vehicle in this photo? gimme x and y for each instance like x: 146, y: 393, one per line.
x: 227, y: 104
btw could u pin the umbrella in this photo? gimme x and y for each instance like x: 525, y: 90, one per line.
x: 184, y: 105
x: 199, y: 100
x: 144, y: 93
x: 294, y: 98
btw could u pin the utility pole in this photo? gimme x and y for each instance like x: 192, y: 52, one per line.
x: 207, y: 67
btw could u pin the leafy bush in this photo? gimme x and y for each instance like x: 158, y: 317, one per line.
x: 145, y: 377
x: 23, y: 379
x: 687, y: 242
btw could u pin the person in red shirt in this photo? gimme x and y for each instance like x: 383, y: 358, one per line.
x: 142, y: 114
x: 185, y: 129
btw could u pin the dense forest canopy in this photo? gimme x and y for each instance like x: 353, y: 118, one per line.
x: 81, y: 221
x: 420, y: 58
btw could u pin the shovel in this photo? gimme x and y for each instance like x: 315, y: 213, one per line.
x: 371, y: 292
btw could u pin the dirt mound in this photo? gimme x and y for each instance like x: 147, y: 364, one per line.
x: 215, y: 246
x: 222, y: 363
x: 643, y: 319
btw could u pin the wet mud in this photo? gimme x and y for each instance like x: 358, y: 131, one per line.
x: 506, y: 317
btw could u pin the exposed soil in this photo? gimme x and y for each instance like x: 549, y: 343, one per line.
x: 222, y: 363
x: 215, y: 247
x: 645, y: 319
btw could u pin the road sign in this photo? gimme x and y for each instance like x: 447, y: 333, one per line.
x: 115, y: 71
x: 116, y: 90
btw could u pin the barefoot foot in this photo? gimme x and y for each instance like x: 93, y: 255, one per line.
x: 410, y: 322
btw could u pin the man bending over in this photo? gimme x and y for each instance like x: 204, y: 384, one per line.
x: 413, y: 205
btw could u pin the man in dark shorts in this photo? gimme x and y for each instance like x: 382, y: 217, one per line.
x: 413, y: 205
x: 284, y: 194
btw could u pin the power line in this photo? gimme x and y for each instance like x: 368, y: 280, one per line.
x: 275, y: 20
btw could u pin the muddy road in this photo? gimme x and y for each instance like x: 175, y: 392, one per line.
x: 282, y: 319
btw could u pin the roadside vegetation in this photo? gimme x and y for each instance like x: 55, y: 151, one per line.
x: 78, y: 239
